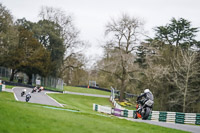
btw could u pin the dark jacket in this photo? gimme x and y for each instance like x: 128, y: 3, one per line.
x: 147, y: 96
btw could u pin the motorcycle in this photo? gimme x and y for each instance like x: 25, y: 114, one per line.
x: 33, y: 91
x: 143, y: 109
x: 40, y: 89
x: 28, y: 97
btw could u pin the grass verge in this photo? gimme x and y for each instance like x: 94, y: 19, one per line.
x: 21, y: 117
x: 78, y: 102
x: 9, y: 86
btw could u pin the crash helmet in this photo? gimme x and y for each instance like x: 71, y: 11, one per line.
x: 146, y: 90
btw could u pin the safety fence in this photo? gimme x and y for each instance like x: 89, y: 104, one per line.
x: 21, y: 79
x: 175, y: 117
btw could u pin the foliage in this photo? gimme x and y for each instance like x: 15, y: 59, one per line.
x: 178, y: 32
x: 71, y: 43
x: 185, y: 70
x: 48, y: 34
x: 8, y: 35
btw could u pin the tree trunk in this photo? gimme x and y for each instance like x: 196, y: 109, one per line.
x: 30, y: 79
x: 12, y: 75
x: 186, y: 89
x: 121, y: 98
x: 184, y: 100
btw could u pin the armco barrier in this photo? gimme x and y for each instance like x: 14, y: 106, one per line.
x: 162, y: 116
x: 180, y: 117
x: 197, y: 119
x: 175, y: 117
x: 102, y: 109
x: 171, y: 116
x: 117, y: 112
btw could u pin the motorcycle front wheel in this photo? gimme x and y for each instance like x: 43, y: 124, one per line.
x: 27, y: 99
x: 147, y: 112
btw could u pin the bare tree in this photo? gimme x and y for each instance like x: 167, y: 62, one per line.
x: 119, y: 61
x: 185, y: 73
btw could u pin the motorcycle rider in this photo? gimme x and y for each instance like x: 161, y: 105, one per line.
x: 148, y: 99
x: 23, y: 92
x: 34, y: 89
x: 28, y: 97
x: 41, y: 88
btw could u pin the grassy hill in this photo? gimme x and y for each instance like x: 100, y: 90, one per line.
x: 21, y: 117
x: 78, y: 102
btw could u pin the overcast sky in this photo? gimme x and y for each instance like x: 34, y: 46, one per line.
x: 91, y: 16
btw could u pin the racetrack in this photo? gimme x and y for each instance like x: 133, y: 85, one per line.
x: 36, y: 97
x: 184, y: 127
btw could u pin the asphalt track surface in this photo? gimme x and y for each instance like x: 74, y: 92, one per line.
x: 36, y: 97
x: 42, y: 98
x: 184, y: 127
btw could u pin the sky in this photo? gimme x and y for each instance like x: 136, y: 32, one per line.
x: 91, y: 16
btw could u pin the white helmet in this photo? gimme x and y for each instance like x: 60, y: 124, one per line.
x: 146, y: 90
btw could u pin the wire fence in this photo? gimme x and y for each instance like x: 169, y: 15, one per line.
x: 48, y: 82
x: 5, y: 73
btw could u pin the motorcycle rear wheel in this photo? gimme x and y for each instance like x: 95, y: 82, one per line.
x: 147, y: 112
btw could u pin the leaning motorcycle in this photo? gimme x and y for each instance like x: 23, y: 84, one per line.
x: 143, y: 109
x: 33, y: 91
x: 28, y: 97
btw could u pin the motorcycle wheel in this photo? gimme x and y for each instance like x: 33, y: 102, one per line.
x: 27, y: 99
x: 147, y: 112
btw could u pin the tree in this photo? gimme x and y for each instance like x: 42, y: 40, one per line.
x: 119, y: 60
x: 181, y: 61
x: 73, y: 70
x: 184, y: 77
x: 8, y: 41
x: 178, y: 32
x: 70, y: 35
x: 8, y: 35
x: 35, y: 59
x: 48, y: 34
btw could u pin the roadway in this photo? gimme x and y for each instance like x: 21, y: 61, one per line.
x: 36, y: 97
